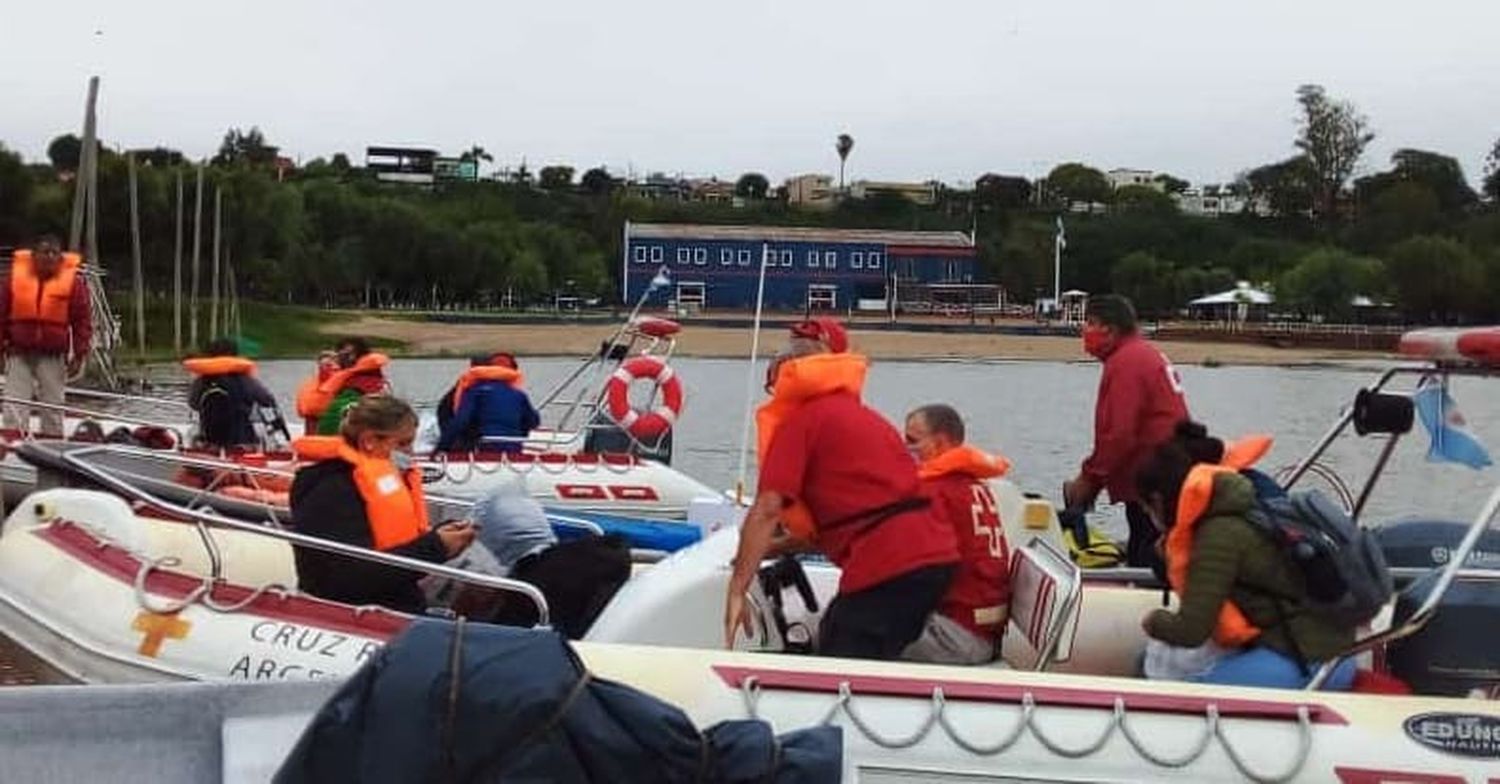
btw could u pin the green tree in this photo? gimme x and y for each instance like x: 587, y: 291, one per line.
x: 160, y: 157
x: 1402, y: 210
x: 1075, y: 183
x: 477, y: 154
x: 752, y: 185
x: 15, y: 198
x: 1492, y: 174
x: 1140, y: 198
x: 245, y: 147
x: 597, y: 181
x: 1332, y: 134
x: 1002, y: 192
x: 1436, y: 279
x: 1146, y: 280
x: 1172, y: 184
x: 555, y: 178
x: 65, y: 151
x: 1286, y: 186
x: 340, y: 163
x: 843, y: 145
x: 1326, y: 281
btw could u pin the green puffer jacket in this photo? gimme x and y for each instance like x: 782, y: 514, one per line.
x: 1234, y: 560
x: 332, y: 417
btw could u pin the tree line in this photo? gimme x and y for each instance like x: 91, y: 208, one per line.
x: 1414, y: 233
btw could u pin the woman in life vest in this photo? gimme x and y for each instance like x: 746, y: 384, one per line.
x: 362, y: 490
x: 1236, y: 588
x: 491, y: 411
x: 311, y: 402
x: 225, y: 393
x: 361, y: 372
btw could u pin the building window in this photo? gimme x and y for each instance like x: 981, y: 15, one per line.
x: 831, y: 259
x: 656, y: 254
x: 744, y: 258
x: 812, y: 259
x: 874, y: 262
x: 857, y: 260
x: 682, y: 255
x: 700, y: 256
x: 726, y: 257
x: 639, y: 252
x: 786, y: 258
x: 821, y: 296
x: 768, y: 258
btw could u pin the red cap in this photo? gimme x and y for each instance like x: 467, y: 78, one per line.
x: 826, y: 330
x: 504, y: 359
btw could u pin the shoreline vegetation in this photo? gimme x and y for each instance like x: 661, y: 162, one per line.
x: 297, y: 332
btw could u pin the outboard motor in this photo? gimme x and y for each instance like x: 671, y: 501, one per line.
x: 1447, y: 657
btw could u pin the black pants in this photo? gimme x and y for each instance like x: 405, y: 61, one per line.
x: 577, y: 577
x: 880, y: 621
x: 1141, y: 549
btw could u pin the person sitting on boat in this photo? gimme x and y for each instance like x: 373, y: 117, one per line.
x: 837, y: 477
x: 363, y: 491
x: 577, y: 576
x: 491, y: 412
x: 444, y: 408
x: 225, y: 394
x: 1241, y: 599
x: 311, y: 403
x: 968, y: 623
x: 361, y: 372
x: 1140, y: 400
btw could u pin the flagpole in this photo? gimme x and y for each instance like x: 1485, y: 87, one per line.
x: 1057, y: 248
x: 760, y: 301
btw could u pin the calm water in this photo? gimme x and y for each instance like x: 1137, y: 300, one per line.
x: 1040, y: 415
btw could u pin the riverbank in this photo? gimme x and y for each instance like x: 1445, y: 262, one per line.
x: 425, y: 338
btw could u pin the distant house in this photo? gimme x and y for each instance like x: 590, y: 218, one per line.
x: 410, y: 165
x: 1241, y: 303
x: 1211, y: 201
x: 1145, y: 178
x: 924, y: 193
x: 814, y: 191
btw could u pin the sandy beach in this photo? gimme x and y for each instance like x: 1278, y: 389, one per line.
x: 432, y: 338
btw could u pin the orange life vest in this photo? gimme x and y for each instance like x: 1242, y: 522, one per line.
x: 475, y: 375
x: 219, y: 366
x: 34, y: 299
x: 1232, y: 629
x: 316, y: 395
x: 797, y: 381
x: 967, y: 460
x: 394, y: 504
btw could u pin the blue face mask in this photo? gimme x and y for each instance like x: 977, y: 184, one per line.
x: 402, y: 461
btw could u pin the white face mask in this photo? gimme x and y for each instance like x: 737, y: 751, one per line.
x: 402, y: 460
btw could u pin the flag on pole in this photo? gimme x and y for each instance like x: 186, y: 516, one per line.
x: 1452, y: 441
x: 663, y: 278
x: 1062, y: 235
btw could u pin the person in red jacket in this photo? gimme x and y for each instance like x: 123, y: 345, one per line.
x: 1140, y: 403
x: 970, y: 619
x: 45, y: 330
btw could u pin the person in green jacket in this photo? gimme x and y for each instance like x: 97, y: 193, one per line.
x: 361, y: 372
x: 1274, y: 640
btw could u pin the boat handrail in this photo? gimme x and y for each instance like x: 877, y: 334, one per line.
x: 164, y: 402
x: 90, y: 414
x: 1428, y: 608
x: 531, y: 592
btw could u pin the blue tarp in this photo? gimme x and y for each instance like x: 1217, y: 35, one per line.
x: 642, y: 533
x: 525, y: 708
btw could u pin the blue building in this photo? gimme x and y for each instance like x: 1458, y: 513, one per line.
x: 837, y: 269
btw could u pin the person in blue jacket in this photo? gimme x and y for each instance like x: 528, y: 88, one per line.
x: 489, y: 404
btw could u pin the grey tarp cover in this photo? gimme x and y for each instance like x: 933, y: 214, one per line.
x: 526, y: 709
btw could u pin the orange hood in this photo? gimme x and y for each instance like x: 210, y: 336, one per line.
x: 967, y: 460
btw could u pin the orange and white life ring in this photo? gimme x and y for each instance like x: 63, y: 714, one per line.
x: 640, y: 423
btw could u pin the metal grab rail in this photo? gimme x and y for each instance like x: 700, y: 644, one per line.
x: 89, y: 413
x: 1429, y: 606
x: 528, y: 590
x: 164, y: 402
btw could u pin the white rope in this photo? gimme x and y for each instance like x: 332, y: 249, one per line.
x: 751, y: 692
x: 1304, y: 745
x: 202, y: 594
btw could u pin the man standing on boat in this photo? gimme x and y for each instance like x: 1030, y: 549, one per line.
x: 837, y: 478
x: 45, y: 330
x: 1140, y: 403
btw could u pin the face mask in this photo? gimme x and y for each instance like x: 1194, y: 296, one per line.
x: 1096, y: 341
x: 402, y: 461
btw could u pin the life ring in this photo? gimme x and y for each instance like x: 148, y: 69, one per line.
x: 641, y: 424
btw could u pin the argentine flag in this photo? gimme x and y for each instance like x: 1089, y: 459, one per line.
x: 1452, y: 441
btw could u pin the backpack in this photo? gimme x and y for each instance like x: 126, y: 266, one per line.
x: 1342, y: 564
x: 220, y: 414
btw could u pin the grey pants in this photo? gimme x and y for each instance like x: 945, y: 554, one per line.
x: 945, y: 641
x: 39, y: 377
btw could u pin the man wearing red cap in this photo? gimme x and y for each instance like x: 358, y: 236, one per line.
x: 836, y: 476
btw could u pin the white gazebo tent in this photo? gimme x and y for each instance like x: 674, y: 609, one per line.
x: 1236, y: 304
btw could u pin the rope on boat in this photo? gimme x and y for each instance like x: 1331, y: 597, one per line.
x: 201, y: 594
x: 750, y: 693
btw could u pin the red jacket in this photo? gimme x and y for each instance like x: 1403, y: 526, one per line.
x: 45, y: 338
x: 980, y: 587
x: 1140, y: 403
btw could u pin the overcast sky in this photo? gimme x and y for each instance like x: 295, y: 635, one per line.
x: 928, y: 88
